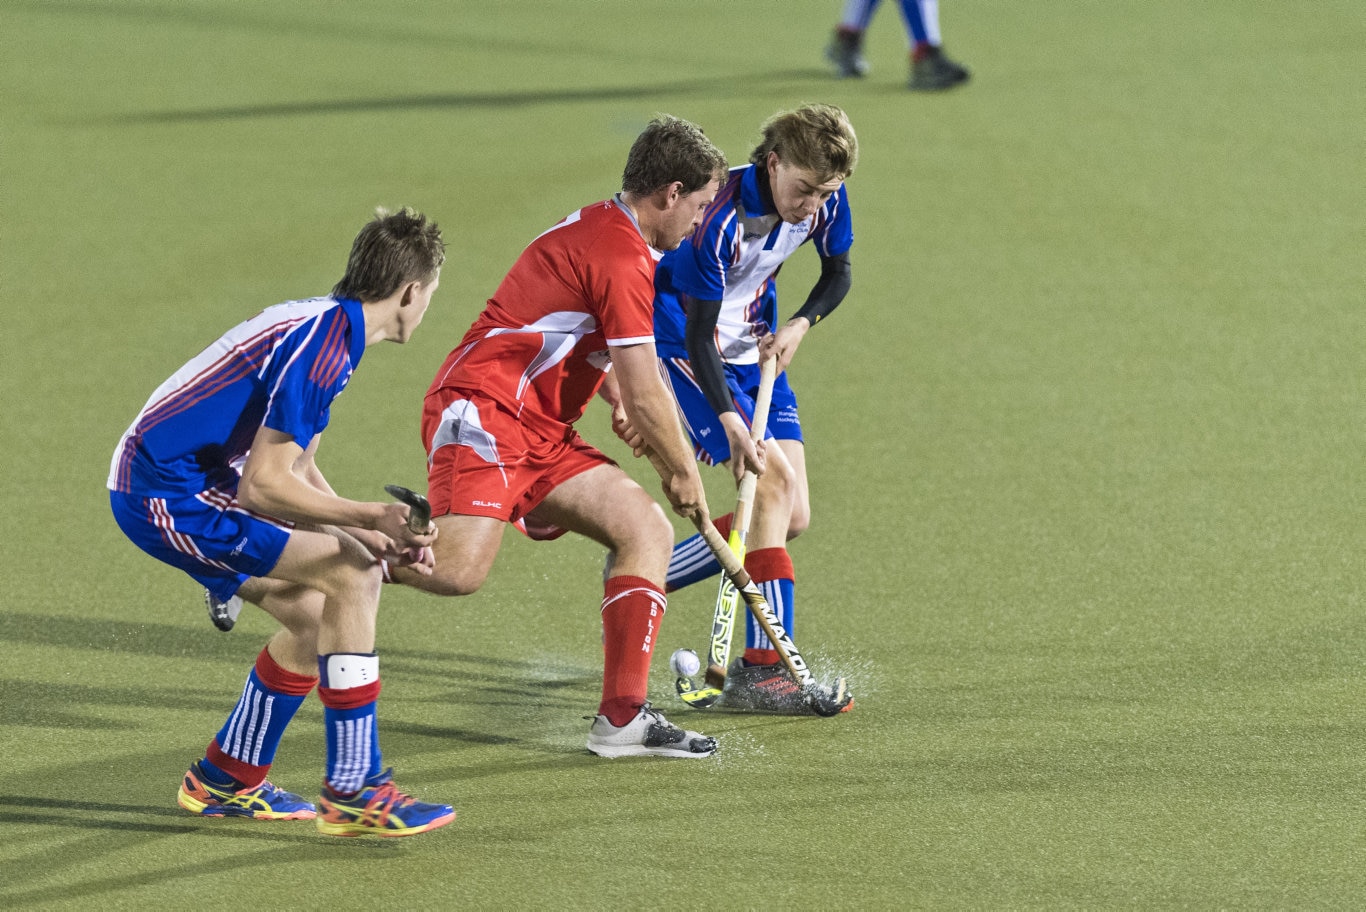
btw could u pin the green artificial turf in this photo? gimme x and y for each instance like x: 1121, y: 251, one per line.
x: 1084, y: 445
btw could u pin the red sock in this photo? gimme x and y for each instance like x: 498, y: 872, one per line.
x: 764, y: 566
x: 632, y: 609
x: 722, y: 524
x: 921, y: 50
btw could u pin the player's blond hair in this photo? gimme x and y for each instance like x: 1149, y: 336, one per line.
x: 393, y: 249
x: 814, y: 137
x: 668, y: 150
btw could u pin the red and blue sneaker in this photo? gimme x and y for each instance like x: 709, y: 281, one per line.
x: 199, y: 795
x: 768, y: 689
x: 379, y: 809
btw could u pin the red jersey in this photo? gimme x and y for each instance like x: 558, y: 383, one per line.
x: 539, y: 348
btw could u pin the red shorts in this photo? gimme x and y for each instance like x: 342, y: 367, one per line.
x: 482, y: 461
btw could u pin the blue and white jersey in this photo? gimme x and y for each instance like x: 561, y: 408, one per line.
x: 733, y: 257
x: 281, y: 369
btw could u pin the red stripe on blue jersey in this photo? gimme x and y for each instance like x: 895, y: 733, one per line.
x: 332, y: 359
x: 283, y: 366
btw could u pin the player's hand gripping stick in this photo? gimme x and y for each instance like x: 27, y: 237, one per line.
x: 419, y: 510
x: 700, y: 695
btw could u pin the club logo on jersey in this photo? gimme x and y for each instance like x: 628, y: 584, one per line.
x: 486, y: 503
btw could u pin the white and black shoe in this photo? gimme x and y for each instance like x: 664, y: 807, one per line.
x: 649, y: 734
x: 223, y: 614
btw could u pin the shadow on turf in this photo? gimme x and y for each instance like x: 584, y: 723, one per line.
x: 125, y: 636
x: 287, y: 842
x: 722, y: 86
x: 55, y: 705
x: 280, y: 21
x: 202, y: 641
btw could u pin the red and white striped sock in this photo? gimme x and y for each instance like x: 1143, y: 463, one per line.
x: 632, y: 611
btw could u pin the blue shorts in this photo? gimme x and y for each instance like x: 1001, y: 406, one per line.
x: 209, y: 536
x: 703, y: 425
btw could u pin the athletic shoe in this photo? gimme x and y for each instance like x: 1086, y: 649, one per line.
x: 264, y: 802
x: 766, y: 688
x: 379, y: 809
x: 845, y: 54
x: 649, y: 734
x: 223, y: 614
x: 763, y: 688
x: 935, y: 72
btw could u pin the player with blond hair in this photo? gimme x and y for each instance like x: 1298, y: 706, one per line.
x: 716, y: 319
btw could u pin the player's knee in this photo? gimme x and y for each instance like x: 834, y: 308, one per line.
x: 453, y: 580
x: 661, y: 533
x: 781, y: 480
x: 800, y: 521
x: 649, y: 536
x: 356, y: 578
x: 299, y: 609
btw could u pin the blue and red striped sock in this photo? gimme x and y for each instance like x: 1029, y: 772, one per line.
x: 245, y: 746
x: 349, y: 691
x: 771, y: 568
x: 692, y: 560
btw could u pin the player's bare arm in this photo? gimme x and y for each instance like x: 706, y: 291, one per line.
x: 377, y: 543
x: 275, y: 481
x: 621, y: 422
x: 650, y: 409
x: 783, y: 344
x: 747, y: 455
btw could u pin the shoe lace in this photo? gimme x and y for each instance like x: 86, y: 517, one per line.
x: 655, y: 715
x: 389, y: 796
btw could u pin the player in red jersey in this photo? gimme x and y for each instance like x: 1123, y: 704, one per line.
x: 498, y: 419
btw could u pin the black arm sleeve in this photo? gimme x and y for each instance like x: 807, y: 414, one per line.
x: 830, y: 288
x: 699, y: 335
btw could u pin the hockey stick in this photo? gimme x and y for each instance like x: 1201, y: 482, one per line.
x: 419, y: 510
x: 824, y: 701
x: 727, y: 596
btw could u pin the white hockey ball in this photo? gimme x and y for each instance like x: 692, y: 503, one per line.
x: 685, y: 663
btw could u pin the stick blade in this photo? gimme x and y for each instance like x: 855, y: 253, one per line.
x: 829, y: 701
x: 419, y: 510
x: 695, y: 696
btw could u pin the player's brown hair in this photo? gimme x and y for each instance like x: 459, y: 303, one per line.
x: 814, y: 137
x: 393, y: 249
x: 671, y: 150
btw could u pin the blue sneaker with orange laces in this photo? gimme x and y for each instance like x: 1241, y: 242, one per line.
x: 199, y: 795
x: 379, y: 809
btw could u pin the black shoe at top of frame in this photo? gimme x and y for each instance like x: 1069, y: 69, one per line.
x: 845, y: 54
x: 934, y: 72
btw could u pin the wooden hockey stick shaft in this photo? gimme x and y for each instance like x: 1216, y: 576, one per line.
x: 758, y: 426
x: 754, y: 599
x: 727, y: 596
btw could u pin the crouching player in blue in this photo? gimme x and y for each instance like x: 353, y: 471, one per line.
x: 716, y: 317
x: 216, y: 476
